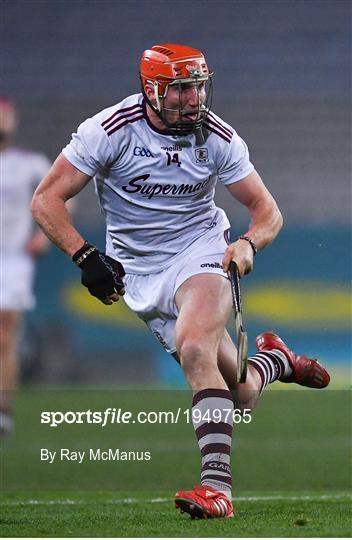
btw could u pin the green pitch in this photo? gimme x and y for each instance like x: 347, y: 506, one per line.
x: 291, y: 469
x: 96, y: 514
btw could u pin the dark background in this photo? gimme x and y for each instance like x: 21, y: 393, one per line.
x: 282, y: 80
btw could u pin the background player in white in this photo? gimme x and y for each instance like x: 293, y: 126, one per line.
x: 156, y: 158
x: 21, y: 241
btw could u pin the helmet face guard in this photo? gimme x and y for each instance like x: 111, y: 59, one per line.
x: 181, y: 126
x: 169, y: 66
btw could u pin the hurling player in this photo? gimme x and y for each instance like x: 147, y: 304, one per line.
x: 20, y: 243
x: 156, y: 158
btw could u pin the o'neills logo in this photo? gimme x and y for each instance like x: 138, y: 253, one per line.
x: 211, y: 265
x: 139, y: 185
x: 173, y: 148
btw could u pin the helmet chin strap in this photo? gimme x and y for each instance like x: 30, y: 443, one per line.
x: 200, y: 139
x: 154, y: 109
x: 156, y: 95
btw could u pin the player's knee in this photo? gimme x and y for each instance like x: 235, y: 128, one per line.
x: 190, y: 350
x: 196, y: 357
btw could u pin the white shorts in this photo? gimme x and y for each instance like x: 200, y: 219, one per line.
x: 16, y: 283
x: 152, y: 297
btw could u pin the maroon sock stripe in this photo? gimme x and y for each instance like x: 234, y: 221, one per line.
x: 210, y: 128
x: 269, y: 366
x: 214, y: 427
x: 211, y: 392
x: 270, y: 373
x: 278, y: 362
x: 216, y: 448
x: 223, y: 479
x: 214, y: 438
x: 218, y: 438
x: 124, y: 124
x: 216, y: 466
x: 258, y: 366
x: 214, y: 121
x: 137, y: 106
x: 267, y: 359
x: 265, y: 368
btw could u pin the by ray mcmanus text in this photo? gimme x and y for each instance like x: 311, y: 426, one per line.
x: 93, y: 454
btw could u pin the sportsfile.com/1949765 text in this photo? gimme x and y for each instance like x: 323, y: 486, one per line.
x: 113, y: 415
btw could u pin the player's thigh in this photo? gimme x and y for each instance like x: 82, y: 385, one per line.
x: 204, y: 304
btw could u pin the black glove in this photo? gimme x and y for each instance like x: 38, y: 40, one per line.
x: 101, y: 274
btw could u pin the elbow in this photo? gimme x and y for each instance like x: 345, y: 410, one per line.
x: 280, y: 220
x: 276, y: 223
x: 36, y: 205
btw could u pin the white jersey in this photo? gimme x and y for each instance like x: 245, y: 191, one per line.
x: 20, y: 173
x: 156, y: 190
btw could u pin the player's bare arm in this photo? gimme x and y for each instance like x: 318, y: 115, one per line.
x: 266, y: 222
x: 62, y: 182
x: 100, y: 274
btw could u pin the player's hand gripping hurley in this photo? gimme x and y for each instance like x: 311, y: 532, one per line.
x: 241, y: 335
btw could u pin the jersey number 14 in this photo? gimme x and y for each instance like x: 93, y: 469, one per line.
x: 173, y: 159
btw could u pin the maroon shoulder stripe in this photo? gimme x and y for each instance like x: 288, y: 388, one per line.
x: 129, y: 121
x: 121, y: 111
x: 219, y: 126
x: 117, y: 119
x: 222, y: 135
x: 229, y: 129
x: 227, y: 236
